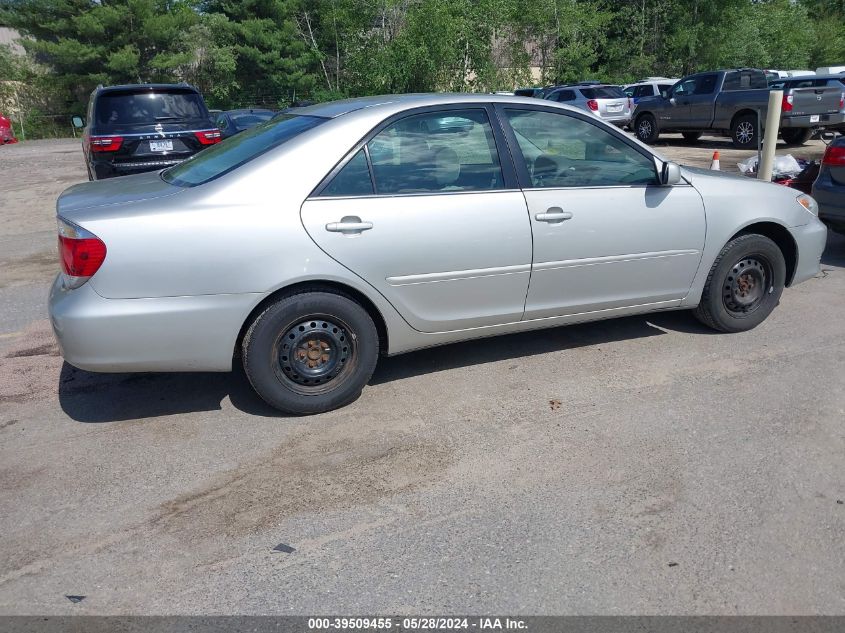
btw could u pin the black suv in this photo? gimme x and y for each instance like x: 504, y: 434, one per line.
x: 143, y: 127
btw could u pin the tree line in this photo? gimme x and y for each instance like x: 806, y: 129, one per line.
x: 270, y: 52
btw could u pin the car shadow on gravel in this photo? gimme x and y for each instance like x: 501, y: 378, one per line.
x: 834, y: 254
x: 514, y: 346
x: 90, y: 397
x: 96, y: 398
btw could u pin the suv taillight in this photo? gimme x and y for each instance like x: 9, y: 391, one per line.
x: 81, y: 253
x: 105, y: 143
x: 593, y: 105
x: 786, y: 103
x: 208, y: 137
x: 834, y: 155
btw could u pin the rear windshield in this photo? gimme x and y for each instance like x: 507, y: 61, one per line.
x: 239, y: 149
x: 146, y: 106
x: 603, y: 92
x: 248, y: 119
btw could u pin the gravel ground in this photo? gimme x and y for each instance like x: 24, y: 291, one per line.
x: 641, y: 465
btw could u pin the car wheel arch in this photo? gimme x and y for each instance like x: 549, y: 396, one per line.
x: 742, y: 113
x: 318, y: 285
x: 781, y: 236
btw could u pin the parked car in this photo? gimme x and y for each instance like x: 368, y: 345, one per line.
x: 830, y: 70
x: 143, y: 127
x: 7, y: 135
x: 726, y: 101
x: 306, y: 247
x: 607, y: 102
x: 233, y: 121
x: 804, y: 94
x: 829, y: 187
x: 652, y: 88
x: 530, y: 92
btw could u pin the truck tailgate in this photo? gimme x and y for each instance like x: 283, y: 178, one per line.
x: 821, y: 100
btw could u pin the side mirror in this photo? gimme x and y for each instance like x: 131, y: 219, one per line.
x: 670, y: 174
x: 78, y: 123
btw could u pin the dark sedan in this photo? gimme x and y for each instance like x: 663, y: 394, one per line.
x: 233, y: 121
x: 829, y: 188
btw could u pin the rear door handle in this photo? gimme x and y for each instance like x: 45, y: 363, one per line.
x: 350, y: 224
x: 553, y: 215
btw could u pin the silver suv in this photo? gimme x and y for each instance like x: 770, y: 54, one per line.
x: 606, y: 102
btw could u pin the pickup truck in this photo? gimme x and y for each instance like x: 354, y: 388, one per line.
x: 728, y: 101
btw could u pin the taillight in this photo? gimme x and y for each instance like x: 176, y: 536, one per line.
x: 834, y: 155
x: 629, y: 103
x: 208, y: 137
x: 81, y: 253
x: 593, y: 105
x: 786, y: 103
x: 842, y: 101
x: 105, y: 143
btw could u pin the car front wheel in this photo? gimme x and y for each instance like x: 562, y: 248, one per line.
x: 646, y: 128
x: 744, y: 284
x: 310, y: 352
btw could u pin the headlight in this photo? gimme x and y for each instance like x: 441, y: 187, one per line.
x: 808, y: 203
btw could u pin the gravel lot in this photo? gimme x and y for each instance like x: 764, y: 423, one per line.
x: 642, y: 465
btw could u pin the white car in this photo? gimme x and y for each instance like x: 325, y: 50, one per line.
x: 651, y: 88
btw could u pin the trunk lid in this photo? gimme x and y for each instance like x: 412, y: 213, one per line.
x: 77, y: 202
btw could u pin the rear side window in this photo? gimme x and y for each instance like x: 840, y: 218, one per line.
x: 705, y: 85
x: 603, y: 92
x: 565, y: 95
x: 443, y: 151
x: 747, y: 79
x: 643, y: 91
x: 140, y: 107
x: 239, y: 149
x: 353, y: 180
x: 664, y: 87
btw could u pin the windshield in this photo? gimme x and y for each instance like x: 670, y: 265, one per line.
x: 237, y: 150
x: 603, y: 92
x: 146, y: 106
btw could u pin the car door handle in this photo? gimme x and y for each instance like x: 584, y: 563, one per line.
x: 554, y: 214
x: 349, y: 224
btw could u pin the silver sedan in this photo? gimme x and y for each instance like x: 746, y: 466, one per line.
x: 307, y: 246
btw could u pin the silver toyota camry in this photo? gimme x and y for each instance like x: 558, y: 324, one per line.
x: 307, y: 246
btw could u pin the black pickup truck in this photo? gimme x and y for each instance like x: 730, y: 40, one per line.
x: 727, y: 101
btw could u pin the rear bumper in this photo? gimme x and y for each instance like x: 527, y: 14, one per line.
x: 104, y: 169
x: 811, y: 239
x: 825, y: 120
x: 195, y: 333
x: 831, y: 199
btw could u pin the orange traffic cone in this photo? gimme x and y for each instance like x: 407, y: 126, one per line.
x: 715, y: 163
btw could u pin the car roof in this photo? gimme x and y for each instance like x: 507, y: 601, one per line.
x: 151, y: 87
x: 399, y: 103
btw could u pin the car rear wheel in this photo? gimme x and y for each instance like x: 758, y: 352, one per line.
x: 691, y: 137
x: 310, y: 352
x: 744, y: 131
x: 744, y: 284
x: 646, y: 128
x: 796, y: 137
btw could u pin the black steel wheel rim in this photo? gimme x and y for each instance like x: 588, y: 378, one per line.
x: 315, y: 354
x: 747, y: 285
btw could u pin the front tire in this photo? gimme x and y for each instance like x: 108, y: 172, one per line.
x: 646, y: 129
x: 744, y: 284
x: 744, y: 131
x: 310, y: 352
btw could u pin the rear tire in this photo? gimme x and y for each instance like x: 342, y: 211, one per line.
x: 744, y: 285
x: 645, y: 129
x: 795, y: 137
x: 310, y: 352
x: 744, y: 131
x: 691, y: 137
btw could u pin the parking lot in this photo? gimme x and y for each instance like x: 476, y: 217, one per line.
x: 641, y: 465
